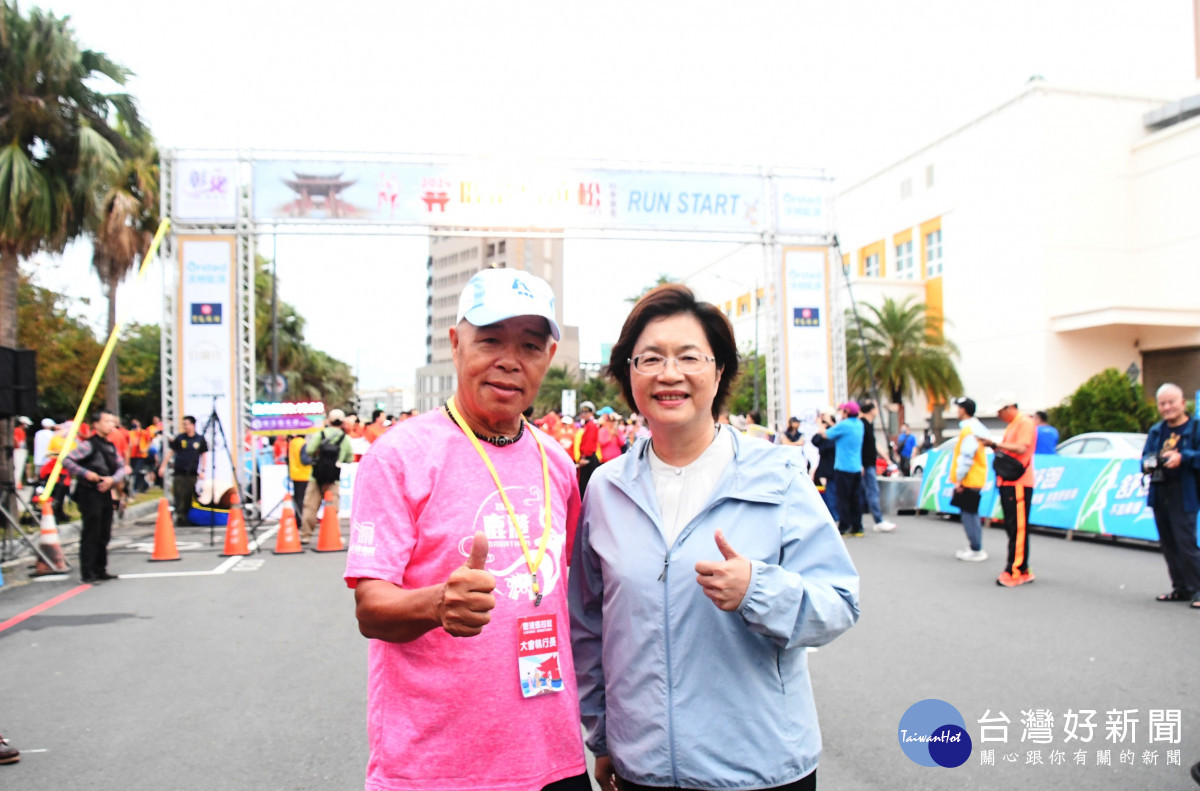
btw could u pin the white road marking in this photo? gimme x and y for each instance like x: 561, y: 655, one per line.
x: 225, y: 566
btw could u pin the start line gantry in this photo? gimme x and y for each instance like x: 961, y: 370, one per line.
x: 221, y: 202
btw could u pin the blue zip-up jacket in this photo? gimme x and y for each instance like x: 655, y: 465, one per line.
x: 675, y: 690
x: 1189, y: 449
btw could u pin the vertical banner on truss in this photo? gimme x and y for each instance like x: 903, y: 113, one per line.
x: 206, y: 313
x: 806, y: 353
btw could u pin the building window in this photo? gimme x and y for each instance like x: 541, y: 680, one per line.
x: 904, y: 260
x: 933, y: 253
x: 928, y: 176
x: 500, y: 247
x: 491, y: 250
x: 871, y: 265
x: 905, y: 189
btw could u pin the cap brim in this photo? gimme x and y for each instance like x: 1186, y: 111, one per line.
x: 482, y: 317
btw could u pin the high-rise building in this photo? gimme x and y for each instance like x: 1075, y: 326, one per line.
x: 452, y: 261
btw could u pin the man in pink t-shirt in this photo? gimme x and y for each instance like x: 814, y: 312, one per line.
x: 462, y: 524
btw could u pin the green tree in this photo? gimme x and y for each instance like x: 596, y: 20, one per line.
x: 549, y: 397
x: 140, y: 370
x: 741, y: 395
x: 122, y: 228
x: 67, y: 349
x: 55, y: 139
x: 602, y: 392
x: 311, y: 374
x: 1106, y: 402
x: 907, y: 349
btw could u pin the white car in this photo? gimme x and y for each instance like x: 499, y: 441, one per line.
x: 917, y: 464
x: 1103, y: 444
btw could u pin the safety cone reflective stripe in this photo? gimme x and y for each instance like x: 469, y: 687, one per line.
x: 235, y: 530
x: 287, y: 541
x: 330, y: 537
x: 49, y: 544
x: 164, y: 534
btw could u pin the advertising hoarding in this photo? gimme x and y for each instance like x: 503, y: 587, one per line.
x: 808, y: 375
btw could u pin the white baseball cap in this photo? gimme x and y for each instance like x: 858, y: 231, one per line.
x: 1004, y: 398
x: 493, y: 295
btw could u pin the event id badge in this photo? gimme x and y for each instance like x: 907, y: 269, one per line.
x: 537, y: 655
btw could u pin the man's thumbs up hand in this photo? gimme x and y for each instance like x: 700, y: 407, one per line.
x: 467, y: 600
x: 725, y: 581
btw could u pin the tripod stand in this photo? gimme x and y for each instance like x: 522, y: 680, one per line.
x: 13, y: 524
x: 213, y: 424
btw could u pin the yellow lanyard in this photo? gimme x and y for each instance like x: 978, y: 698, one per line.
x: 532, y: 562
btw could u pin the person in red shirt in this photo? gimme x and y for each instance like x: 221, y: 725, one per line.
x: 137, y: 455
x: 587, y: 442
x: 1016, y: 496
x: 374, y: 430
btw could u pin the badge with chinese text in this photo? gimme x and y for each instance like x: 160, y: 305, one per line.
x: 537, y: 655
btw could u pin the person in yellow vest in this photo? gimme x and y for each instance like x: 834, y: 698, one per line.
x: 968, y: 473
x: 298, y: 471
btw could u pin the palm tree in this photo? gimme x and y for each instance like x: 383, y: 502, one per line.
x: 122, y: 230
x: 54, y: 140
x: 907, y: 349
x: 549, y: 397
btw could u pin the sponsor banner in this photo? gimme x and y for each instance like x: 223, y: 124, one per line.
x: 205, y: 190
x: 807, y: 364
x: 288, y: 417
x: 374, y: 192
x: 1091, y: 495
x: 207, y: 343
x: 802, y: 205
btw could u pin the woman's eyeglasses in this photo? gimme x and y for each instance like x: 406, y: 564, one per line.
x: 652, y: 364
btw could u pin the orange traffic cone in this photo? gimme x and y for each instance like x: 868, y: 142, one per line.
x: 330, y: 537
x: 235, y: 530
x: 164, y: 534
x: 287, y: 541
x: 49, y: 545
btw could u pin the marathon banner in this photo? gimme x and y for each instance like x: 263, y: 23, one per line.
x: 205, y: 191
x: 206, y: 338
x: 1090, y: 495
x: 808, y: 368
x: 495, y: 196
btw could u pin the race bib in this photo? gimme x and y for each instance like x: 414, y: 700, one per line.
x: 537, y: 655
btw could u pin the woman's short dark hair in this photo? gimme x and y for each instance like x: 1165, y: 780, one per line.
x: 673, y: 299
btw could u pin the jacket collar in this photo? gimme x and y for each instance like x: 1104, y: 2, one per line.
x: 759, y: 473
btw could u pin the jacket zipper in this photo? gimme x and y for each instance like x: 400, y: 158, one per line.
x: 670, y: 690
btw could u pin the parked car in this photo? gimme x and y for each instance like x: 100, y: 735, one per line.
x: 918, y: 462
x: 1104, y: 444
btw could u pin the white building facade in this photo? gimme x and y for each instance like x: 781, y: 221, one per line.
x: 1058, y: 234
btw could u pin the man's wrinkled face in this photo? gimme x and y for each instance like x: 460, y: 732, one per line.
x: 1170, y: 404
x: 501, y: 366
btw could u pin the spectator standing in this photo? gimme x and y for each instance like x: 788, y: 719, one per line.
x: 968, y: 473
x: 299, y: 472
x: 97, y: 469
x: 609, y: 436
x: 1047, y: 435
x: 374, y: 430
x: 847, y: 437
x: 906, y: 443
x: 870, y: 455
x: 137, y: 457
x: 329, y: 449
x: 189, y: 450
x: 452, y: 673
x: 823, y: 474
x: 1171, y: 456
x: 41, y: 443
x: 1016, y: 496
x: 587, y: 444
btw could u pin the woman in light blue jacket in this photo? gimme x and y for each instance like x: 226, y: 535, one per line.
x: 705, y: 564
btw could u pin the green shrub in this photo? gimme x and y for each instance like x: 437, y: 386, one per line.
x: 1106, y: 402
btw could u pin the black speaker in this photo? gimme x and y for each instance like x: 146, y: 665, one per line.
x: 18, y: 382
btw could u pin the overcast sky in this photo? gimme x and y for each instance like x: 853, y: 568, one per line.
x: 846, y: 86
